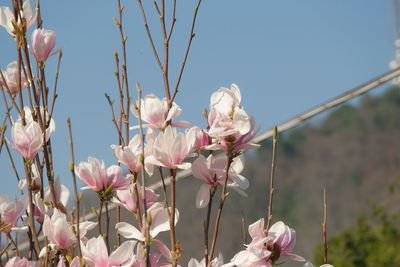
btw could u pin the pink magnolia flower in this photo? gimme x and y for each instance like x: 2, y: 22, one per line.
x: 6, y: 16
x: 126, y: 198
x: 202, y: 140
x: 11, y: 78
x: 95, y: 175
x: 139, y: 261
x: 10, y: 212
x: 159, y: 223
x: 170, y: 149
x: 43, y: 42
x: 229, y: 123
x: 265, y: 250
x: 155, y: 112
x: 62, y: 196
x: 45, y: 117
x: 28, y: 139
x: 285, y: 238
x: 309, y: 264
x: 76, y: 262
x: 212, y: 172
x: 21, y: 262
x: 216, y: 262
x: 129, y: 155
x: 95, y: 253
x: 58, y: 231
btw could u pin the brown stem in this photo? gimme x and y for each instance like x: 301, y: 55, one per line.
x: 149, y: 35
x: 139, y: 91
x: 229, y: 159
x: 271, y: 185
x: 166, y: 55
x: 71, y: 168
x: 31, y: 212
x: 243, y: 227
x: 207, y: 224
x: 172, y: 219
x: 12, y: 162
x: 136, y: 199
x: 55, y: 85
x: 113, y: 119
x: 99, y: 215
x: 107, y: 229
x: 165, y: 191
x: 15, y: 244
x: 324, y: 230
x: 187, y: 51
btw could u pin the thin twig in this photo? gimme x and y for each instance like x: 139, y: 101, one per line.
x: 207, y: 224
x: 324, y: 230
x: 271, y: 185
x: 187, y: 51
x: 55, y: 84
x: 172, y: 219
x: 107, y: 229
x: 146, y: 228
x: 71, y: 168
x: 243, y: 228
x: 165, y: 191
x: 149, y: 35
x: 229, y: 159
x: 113, y: 119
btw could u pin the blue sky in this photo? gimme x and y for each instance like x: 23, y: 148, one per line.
x: 286, y: 56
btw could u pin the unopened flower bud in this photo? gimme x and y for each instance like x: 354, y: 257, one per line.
x: 43, y: 42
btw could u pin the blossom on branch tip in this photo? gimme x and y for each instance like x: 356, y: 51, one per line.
x: 10, y: 212
x: 7, y: 16
x: 212, y: 172
x: 130, y: 155
x: 155, y: 112
x: 171, y: 148
x: 95, y: 253
x: 202, y: 140
x: 97, y: 178
x: 216, y: 262
x: 266, y: 248
x: 43, y: 42
x: 159, y: 223
x: 58, y: 231
x: 11, y: 78
x: 229, y: 124
x: 126, y: 198
x: 21, y: 262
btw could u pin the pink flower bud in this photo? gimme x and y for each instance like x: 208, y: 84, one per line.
x: 43, y: 42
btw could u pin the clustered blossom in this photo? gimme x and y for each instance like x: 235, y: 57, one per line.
x: 229, y: 123
x: 266, y: 248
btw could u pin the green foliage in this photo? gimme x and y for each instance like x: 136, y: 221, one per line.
x: 374, y: 242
